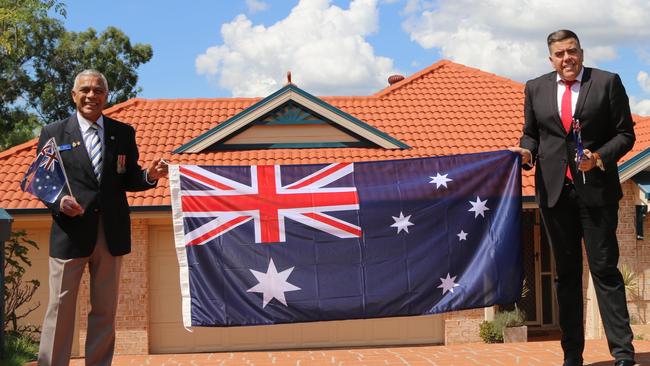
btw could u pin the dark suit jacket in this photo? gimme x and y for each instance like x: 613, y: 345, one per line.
x: 75, y: 237
x: 607, y: 128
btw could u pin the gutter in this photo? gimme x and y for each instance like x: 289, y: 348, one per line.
x: 635, y: 165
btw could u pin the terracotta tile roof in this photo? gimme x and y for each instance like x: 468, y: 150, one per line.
x: 642, y: 132
x: 444, y: 109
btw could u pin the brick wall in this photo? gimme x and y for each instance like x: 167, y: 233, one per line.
x: 635, y: 254
x: 463, y: 326
x: 132, y: 323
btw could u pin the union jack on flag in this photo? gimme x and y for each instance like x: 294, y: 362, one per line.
x: 49, y: 155
x: 225, y: 203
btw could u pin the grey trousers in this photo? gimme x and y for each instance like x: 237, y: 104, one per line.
x: 58, y: 326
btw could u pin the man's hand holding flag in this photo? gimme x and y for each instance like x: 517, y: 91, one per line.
x: 580, y: 149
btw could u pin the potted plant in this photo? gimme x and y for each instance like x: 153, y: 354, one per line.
x: 508, y: 326
x: 514, y: 328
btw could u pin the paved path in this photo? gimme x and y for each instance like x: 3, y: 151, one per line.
x: 545, y: 353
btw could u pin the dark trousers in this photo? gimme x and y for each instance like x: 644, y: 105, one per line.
x: 566, y: 224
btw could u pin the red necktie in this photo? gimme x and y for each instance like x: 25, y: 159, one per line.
x: 567, y: 114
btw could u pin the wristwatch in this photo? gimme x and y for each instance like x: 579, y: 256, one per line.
x: 599, y: 161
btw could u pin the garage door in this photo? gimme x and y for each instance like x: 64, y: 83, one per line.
x: 167, y: 334
x: 39, y: 232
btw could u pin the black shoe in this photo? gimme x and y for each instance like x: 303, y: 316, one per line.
x: 625, y: 363
x: 574, y: 362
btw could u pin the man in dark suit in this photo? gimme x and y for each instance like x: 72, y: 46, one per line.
x: 578, y: 193
x: 91, y: 224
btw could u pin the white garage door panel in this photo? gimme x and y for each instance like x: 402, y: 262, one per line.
x: 167, y: 334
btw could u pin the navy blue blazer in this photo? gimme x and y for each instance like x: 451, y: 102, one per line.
x: 75, y: 237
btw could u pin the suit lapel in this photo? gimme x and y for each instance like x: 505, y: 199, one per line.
x: 585, y: 84
x: 109, y: 147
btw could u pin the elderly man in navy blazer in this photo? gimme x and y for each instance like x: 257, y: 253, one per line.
x: 578, y: 188
x: 91, y: 224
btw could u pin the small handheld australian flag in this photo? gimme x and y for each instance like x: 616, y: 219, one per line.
x: 580, y: 149
x: 46, y: 177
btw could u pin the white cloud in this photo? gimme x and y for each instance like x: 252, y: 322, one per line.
x: 412, y: 6
x: 256, y: 5
x: 322, y: 45
x: 644, y: 81
x: 640, y: 107
x: 507, y: 37
x: 643, y: 52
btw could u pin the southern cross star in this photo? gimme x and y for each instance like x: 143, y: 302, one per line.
x: 273, y: 284
x: 462, y: 235
x: 448, y: 284
x: 440, y: 180
x: 478, y: 207
x: 402, y: 222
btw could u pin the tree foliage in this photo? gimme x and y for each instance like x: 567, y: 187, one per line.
x: 110, y: 52
x: 20, y: 39
x: 17, y: 15
x: 39, y: 59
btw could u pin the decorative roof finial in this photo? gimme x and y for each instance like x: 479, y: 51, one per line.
x: 395, y: 79
x: 289, y: 77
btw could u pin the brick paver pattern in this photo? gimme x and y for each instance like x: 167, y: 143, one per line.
x: 545, y: 353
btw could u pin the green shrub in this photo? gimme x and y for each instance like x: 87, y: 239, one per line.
x: 489, y: 332
x: 19, y: 349
x: 20, y: 346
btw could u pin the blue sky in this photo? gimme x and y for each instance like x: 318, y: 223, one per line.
x: 207, y: 49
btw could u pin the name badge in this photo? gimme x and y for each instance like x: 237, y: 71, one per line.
x: 65, y: 147
x: 121, y: 164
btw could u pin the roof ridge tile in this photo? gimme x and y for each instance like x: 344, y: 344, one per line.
x: 119, y: 106
x: 411, y: 78
x: 14, y: 149
x: 439, y: 65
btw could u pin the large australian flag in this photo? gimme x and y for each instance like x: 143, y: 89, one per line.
x: 273, y: 244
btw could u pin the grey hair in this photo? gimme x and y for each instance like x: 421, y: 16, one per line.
x: 90, y: 72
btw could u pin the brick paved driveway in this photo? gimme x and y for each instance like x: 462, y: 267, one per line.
x: 545, y: 353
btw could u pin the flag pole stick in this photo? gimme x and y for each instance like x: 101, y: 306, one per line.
x: 65, y: 175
